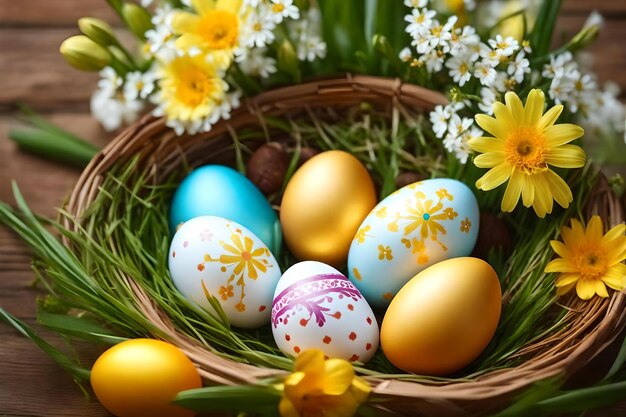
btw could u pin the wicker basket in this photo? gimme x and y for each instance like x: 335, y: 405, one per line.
x: 594, y: 325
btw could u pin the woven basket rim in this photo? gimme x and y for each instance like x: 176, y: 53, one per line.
x: 599, y: 321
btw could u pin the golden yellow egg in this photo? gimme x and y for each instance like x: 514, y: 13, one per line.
x: 141, y: 377
x: 323, y: 205
x: 443, y: 318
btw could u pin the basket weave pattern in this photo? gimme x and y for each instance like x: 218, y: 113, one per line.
x: 592, y: 325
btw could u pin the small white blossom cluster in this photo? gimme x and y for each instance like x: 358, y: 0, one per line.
x: 578, y: 90
x: 497, y: 65
x: 307, y: 33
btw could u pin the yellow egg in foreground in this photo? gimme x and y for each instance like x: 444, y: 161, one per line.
x: 443, y: 318
x: 141, y: 377
x: 323, y: 205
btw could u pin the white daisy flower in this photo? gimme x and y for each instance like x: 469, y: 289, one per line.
x: 310, y: 48
x: 163, y: 15
x: 442, y: 34
x: 559, y: 65
x: 485, y: 73
x: 283, y: 9
x: 519, y: 67
x: 416, y: 4
x: 405, y: 54
x: 460, y: 69
x: 109, y: 80
x: 258, y: 30
x: 488, y: 96
x: 458, y: 125
x: 489, y: 56
x: 112, y: 110
x: 139, y: 85
x: 504, y: 46
x: 560, y: 89
x: 526, y: 46
x: 419, y: 20
x: 464, y: 40
x: 433, y: 61
x: 421, y: 42
x: 439, y: 119
x: 161, y: 39
x: 257, y: 63
x: 583, y: 94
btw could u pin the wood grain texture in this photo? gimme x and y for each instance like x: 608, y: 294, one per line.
x: 32, y: 71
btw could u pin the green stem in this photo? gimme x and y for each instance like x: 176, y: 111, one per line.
x: 53, y: 146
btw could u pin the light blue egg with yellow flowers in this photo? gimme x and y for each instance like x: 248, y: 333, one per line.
x: 218, y: 190
x: 417, y: 226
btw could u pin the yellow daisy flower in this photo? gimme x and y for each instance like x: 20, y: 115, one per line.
x: 244, y: 256
x: 321, y: 387
x: 590, y: 260
x: 525, y: 143
x: 190, y: 89
x: 214, y: 29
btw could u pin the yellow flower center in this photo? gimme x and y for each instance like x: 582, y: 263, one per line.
x: 278, y: 8
x: 257, y: 27
x: 219, y: 29
x: 463, y: 68
x: 245, y: 255
x: 591, y: 262
x: 194, y: 86
x: 525, y: 150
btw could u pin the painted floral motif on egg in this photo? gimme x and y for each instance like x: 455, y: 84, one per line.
x: 315, y: 306
x: 413, y: 228
x: 212, y: 256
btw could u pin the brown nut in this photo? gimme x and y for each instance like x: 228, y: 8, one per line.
x: 307, y: 153
x: 493, y: 233
x: 267, y: 167
x: 407, y: 178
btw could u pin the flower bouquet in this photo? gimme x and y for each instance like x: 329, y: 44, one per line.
x: 410, y: 155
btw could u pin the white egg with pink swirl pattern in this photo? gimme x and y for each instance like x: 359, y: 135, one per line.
x: 315, y: 306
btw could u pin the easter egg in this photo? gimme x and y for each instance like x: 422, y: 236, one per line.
x: 141, y: 377
x: 217, y: 190
x: 443, y: 318
x: 315, y: 306
x: 323, y: 205
x: 212, y: 256
x: 413, y: 228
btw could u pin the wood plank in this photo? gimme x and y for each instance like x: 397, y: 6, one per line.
x: 606, y: 7
x: 52, y: 13
x: 34, y: 72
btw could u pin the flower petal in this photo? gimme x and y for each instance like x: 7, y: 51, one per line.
x: 184, y: 22
x: 565, y: 289
x: 561, y: 265
x: 528, y: 191
x: 595, y: 229
x: 561, y: 249
x: 494, y: 177
x: 560, y: 190
x: 558, y: 135
x: 566, y: 279
x: 615, y: 277
x: 543, y: 196
x: 338, y: 376
x: 585, y: 289
x: 287, y: 408
x: 601, y: 289
x: 504, y: 116
x: 550, y: 117
x: 310, y: 361
x: 515, y: 106
x: 615, y: 233
x: 513, y: 192
x: 360, y: 389
x: 484, y: 145
x: 489, y: 159
x: 534, y: 107
x: 203, y: 6
x: 566, y: 156
x: 491, y: 125
x: 617, y: 252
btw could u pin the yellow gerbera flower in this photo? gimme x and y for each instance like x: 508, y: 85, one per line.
x: 590, y: 260
x: 525, y: 142
x: 321, y: 387
x: 214, y: 29
x: 190, y: 89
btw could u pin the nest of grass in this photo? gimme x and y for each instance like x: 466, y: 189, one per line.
x: 115, y: 224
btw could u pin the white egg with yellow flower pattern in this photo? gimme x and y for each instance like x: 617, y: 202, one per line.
x: 213, y: 256
x: 418, y: 225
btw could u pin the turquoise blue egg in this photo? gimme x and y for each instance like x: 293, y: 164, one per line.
x: 413, y: 228
x: 217, y: 190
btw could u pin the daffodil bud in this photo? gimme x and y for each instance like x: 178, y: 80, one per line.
x: 137, y: 19
x: 84, y: 54
x: 583, y: 38
x: 287, y: 58
x: 97, y: 30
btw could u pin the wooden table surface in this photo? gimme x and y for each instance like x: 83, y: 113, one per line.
x: 32, y: 72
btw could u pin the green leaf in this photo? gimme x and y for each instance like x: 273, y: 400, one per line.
x: 541, y: 35
x: 80, y: 327
x: 245, y: 398
x: 584, y: 399
x: 57, y: 355
x: 52, y: 146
